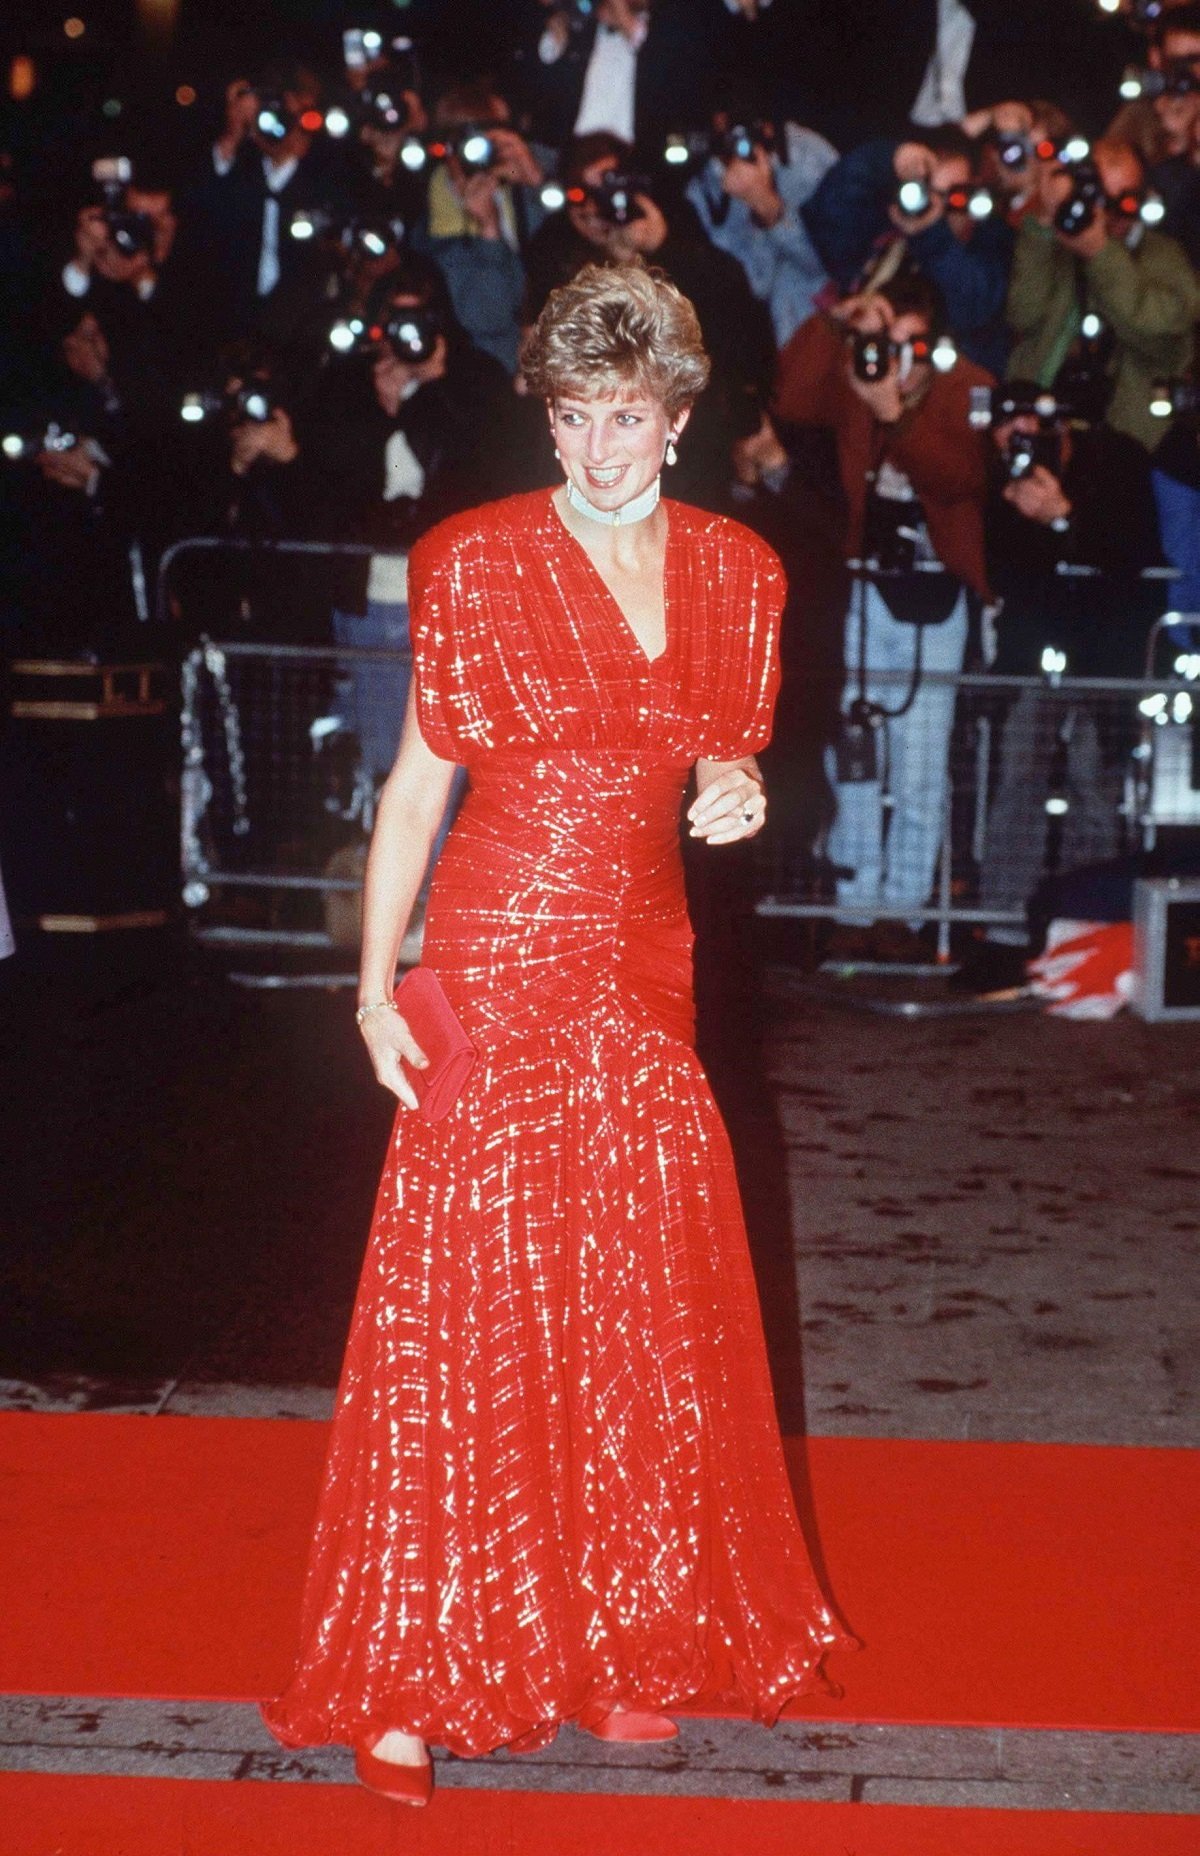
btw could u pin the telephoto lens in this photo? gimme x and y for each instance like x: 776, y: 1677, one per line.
x: 616, y: 198
x: 1079, y: 209
x: 131, y: 233
x: 411, y: 334
x: 914, y: 197
x: 250, y: 404
x: 1012, y: 151
x: 475, y: 149
x: 274, y: 119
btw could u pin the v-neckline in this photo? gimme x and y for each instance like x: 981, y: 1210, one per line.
x: 614, y: 603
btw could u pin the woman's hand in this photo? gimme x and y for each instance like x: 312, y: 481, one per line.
x: 728, y: 808
x: 388, y: 1039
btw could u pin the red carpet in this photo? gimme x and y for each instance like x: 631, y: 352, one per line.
x: 167, y: 1817
x: 995, y: 1584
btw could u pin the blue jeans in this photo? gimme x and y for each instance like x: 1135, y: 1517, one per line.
x: 1179, y: 527
x: 371, y: 698
x: 893, y: 869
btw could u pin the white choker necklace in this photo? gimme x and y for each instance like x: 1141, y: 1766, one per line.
x: 634, y: 511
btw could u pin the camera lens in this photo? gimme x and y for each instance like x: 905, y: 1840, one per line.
x: 913, y: 197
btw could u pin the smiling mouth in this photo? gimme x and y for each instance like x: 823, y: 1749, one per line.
x: 605, y: 479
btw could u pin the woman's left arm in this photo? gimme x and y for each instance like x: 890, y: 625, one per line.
x: 730, y: 802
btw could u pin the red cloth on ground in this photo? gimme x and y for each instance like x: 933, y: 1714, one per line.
x: 555, y: 1480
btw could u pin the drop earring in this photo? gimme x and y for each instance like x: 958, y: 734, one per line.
x: 557, y: 455
x: 672, y: 454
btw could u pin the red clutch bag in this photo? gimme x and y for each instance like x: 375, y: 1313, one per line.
x: 431, y: 1018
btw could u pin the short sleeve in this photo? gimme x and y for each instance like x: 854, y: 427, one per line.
x: 753, y: 589
x: 431, y: 615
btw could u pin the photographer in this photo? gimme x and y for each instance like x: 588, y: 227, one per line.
x: 1061, y: 494
x: 914, y: 479
x: 625, y: 68
x: 123, y: 265
x: 1175, y: 173
x: 401, y: 435
x: 1007, y: 136
x: 1101, y: 304
x: 748, y: 198
x: 77, y: 488
x: 268, y: 161
x: 243, y: 468
x: 482, y: 208
x: 886, y: 203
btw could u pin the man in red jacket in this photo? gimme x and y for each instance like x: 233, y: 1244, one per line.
x: 914, y: 479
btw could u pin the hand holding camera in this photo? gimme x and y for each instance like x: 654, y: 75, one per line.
x: 513, y: 159
x: 1039, y: 496
x: 241, y: 111
x: 751, y: 179
x: 759, y: 455
x: 271, y: 438
x: 622, y: 16
x: 72, y: 467
x: 394, y: 377
x: 917, y: 204
x: 478, y: 195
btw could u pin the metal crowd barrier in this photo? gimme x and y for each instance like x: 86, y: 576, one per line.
x: 285, y: 746
x: 1036, y: 775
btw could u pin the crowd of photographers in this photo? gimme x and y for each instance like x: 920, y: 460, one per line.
x: 964, y: 345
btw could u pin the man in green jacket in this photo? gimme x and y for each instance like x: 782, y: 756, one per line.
x: 1117, y: 290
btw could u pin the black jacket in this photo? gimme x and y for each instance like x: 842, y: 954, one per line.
x: 457, y: 427
x: 1101, y: 623
x: 677, y: 69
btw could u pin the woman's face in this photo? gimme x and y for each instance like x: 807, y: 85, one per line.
x: 612, y: 448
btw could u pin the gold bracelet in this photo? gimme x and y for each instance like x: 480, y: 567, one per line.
x: 376, y: 1005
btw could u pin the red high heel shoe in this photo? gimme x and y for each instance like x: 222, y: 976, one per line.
x: 402, y: 1784
x: 630, y: 1724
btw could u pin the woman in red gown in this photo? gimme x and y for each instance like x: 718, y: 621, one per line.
x: 555, y: 1488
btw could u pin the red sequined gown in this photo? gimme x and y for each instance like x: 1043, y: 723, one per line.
x: 555, y: 1479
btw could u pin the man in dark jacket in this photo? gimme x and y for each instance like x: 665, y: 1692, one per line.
x: 635, y: 69
x: 864, y: 224
x: 268, y: 163
x: 397, y: 440
x: 1061, y: 496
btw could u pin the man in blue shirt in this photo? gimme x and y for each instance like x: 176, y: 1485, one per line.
x: 749, y: 203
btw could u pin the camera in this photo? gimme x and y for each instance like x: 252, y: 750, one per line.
x: 997, y: 405
x: 472, y: 146
x: 412, y: 335
x: 368, y: 236
x: 1144, y: 14
x: 273, y: 119
x: 19, y: 447
x: 1023, y: 452
x: 1085, y: 200
x: 253, y: 403
x: 1175, y: 399
x: 872, y: 355
x: 1013, y: 151
x: 914, y: 198
x: 614, y: 197
x: 361, y: 47
x: 131, y: 233
x: 741, y: 140
x: 1176, y: 79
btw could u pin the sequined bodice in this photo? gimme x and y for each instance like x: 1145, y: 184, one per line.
x: 562, y: 882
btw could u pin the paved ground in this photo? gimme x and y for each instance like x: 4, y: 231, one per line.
x: 964, y: 1225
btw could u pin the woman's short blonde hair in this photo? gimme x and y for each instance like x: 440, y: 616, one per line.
x: 617, y: 328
